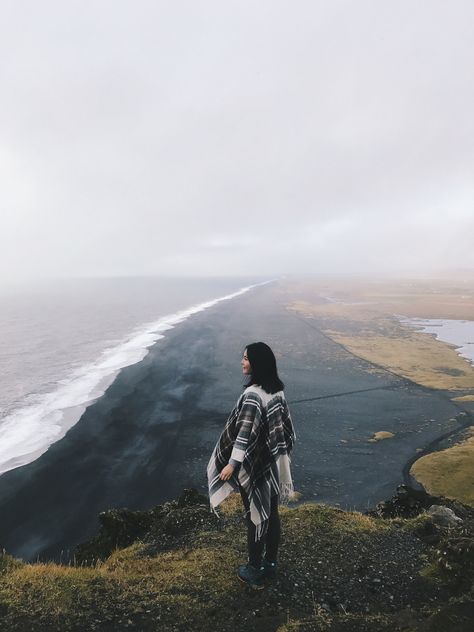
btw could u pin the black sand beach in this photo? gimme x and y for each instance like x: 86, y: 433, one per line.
x: 152, y: 432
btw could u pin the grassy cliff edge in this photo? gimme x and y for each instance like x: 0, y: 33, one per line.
x: 173, y: 568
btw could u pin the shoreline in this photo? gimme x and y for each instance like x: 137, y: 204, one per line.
x: 435, y: 326
x: 381, y: 333
x: 436, y: 446
x: 106, y: 367
x: 151, y: 434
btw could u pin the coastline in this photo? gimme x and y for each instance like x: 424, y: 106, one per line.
x: 451, y: 331
x: 151, y: 434
x: 430, y: 347
x: 29, y: 431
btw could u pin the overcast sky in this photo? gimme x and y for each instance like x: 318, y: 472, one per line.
x: 236, y: 137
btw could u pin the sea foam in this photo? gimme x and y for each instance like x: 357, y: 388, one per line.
x: 29, y: 431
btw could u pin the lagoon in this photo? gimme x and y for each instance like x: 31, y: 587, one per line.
x: 457, y: 332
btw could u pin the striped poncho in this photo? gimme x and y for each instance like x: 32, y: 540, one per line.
x: 259, y: 434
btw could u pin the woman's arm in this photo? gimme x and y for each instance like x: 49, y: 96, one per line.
x: 227, y: 472
x: 288, y: 428
x: 250, y: 411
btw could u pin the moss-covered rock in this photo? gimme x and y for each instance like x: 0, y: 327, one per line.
x: 160, y: 526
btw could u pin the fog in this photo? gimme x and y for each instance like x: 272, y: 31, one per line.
x: 236, y: 138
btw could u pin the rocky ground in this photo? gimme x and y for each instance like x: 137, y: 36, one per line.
x: 409, y: 566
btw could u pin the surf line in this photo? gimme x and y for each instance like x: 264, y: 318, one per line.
x: 29, y: 431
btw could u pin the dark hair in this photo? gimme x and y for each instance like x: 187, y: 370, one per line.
x: 263, y: 366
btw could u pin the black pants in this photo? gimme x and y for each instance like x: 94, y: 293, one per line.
x: 270, y: 541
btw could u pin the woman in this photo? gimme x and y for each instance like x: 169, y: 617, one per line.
x: 252, y: 457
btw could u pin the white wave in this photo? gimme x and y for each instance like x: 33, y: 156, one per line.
x: 28, y: 432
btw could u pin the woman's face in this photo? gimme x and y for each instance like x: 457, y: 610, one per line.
x: 246, y: 368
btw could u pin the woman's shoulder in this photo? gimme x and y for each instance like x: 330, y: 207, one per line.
x: 253, y: 389
x: 259, y: 389
x: 262, y: 394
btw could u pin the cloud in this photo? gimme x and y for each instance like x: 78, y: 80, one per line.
x: 235, y: 138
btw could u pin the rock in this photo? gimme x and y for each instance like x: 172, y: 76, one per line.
x: 191, y: 497
x: 118, y: 529
x: 184, y: 520
x: 455, y: 559
x: 442, y: 620
x: 443, y: 516
x: 406, y: 503
x: 161, y: 526
x: 382, y: 434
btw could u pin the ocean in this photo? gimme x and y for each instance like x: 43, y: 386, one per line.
x: 62, y: 343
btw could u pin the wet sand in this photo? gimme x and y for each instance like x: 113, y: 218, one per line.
x: 151, y: 434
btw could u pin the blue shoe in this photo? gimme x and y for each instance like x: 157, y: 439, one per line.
x: 251, y: 576
x: 269, y: 569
